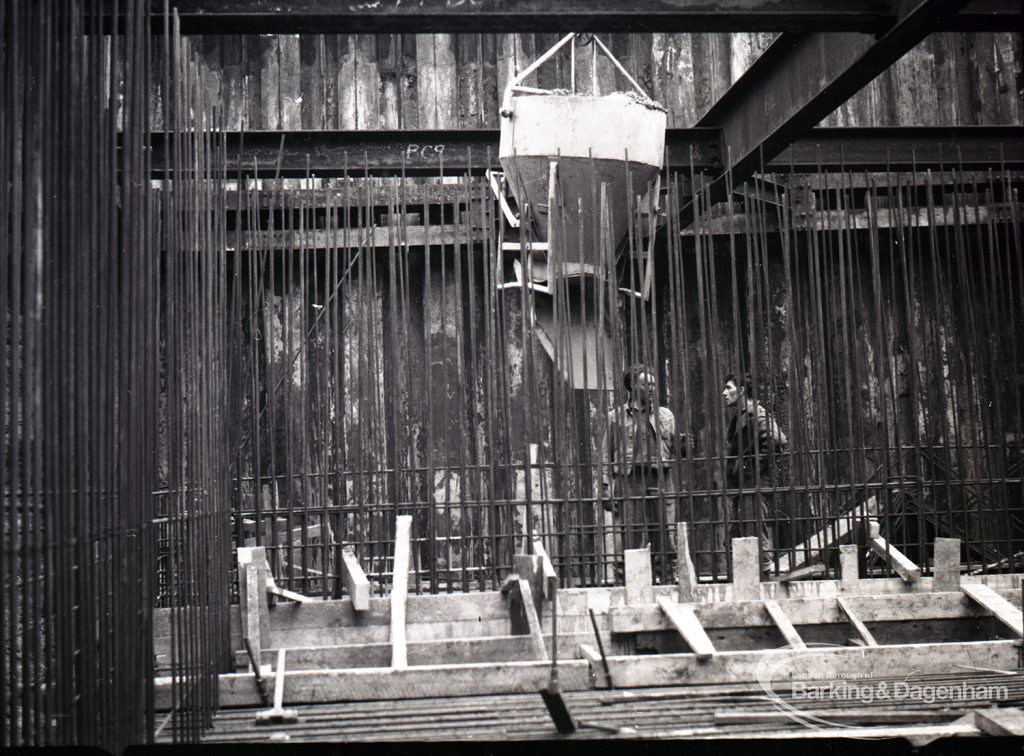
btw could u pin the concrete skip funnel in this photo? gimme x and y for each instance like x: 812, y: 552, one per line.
x: 616, y: 140
x: 576, y: 162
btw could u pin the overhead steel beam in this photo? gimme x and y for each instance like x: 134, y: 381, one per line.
x: 414, y: 152
x: 455, y: 152
x: 607, y: 16
x: 800, y: 80
x: 903, y: 148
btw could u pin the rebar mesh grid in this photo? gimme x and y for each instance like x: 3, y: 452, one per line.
x: 388, y: 372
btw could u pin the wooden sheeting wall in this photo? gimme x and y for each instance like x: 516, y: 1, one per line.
x: 456, y: 81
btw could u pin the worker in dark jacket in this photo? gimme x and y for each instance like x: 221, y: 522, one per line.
x: 753, y: 439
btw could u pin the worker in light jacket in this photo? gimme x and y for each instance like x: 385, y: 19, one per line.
x: 639, y: 448
x: 752, y: 439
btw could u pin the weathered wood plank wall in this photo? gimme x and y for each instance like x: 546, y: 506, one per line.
x: 455, y: 81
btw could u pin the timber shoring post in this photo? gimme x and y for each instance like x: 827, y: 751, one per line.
x: 399, y: 591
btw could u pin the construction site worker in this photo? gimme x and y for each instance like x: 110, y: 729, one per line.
x: 752, y: 440
x: 638, y: 451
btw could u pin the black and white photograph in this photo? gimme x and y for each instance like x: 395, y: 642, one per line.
x: 462, y: 373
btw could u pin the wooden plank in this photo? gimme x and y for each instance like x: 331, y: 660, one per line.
x: 917, y: 735
x: 356, y: 583
x: 332, y: 64
x: 593, y: 656
x: 858, y: 625
x: 511, y: 59
x: 270, y: 582
x: 550, y: 74
x: 290, y: 77
x: 946, y: 569
x: 508, y: 583
x: 244, y: 557
x: 270, y: 84
x: 430, y: 681
x: 746, y: 569
x: 389, y: 65
x: 251, y: 625
x: 1000, y: 721
x: 311, y: 81
x: 639, y: 577
x: 420, y: 610
x: 1003, y: 610
x: 802, y: 573
x: 489, y: 607
x: 801, y: 611
x: 685, y: 621
x: 684, y: 79
x: 408, y: 102
x: 838, y: 530
x: 686, y: 575
x: 518, y: 624
x: 530, y: 568
x: 400, y: 589
x: 846, y: 716
x: 546, y: 566
x: 446, y: 81
x: 279, y: 672
x: 252, y: 82
x: 284, y: 593
x: 468, y: 97
x: 263, y: 576
x: 469, y: 650
x: 489, y: 80
x: 367, y: 82
x: 783, y: 624
x: 435, y: 83
x: 235, y: 98
x: 316, y: 686
x: 532, y: 620
x: 253, y: 597
x: 849, y: 566
x: 895, y: 558
x: 816, y: 663
x: 346, y: 86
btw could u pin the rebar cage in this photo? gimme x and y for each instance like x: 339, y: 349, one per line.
x: 386, y: 366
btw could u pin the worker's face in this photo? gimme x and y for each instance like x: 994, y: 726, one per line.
x: 731, y: 394
x: 645, y: 388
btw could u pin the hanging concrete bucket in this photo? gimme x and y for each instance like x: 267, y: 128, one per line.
x: 616, y: 139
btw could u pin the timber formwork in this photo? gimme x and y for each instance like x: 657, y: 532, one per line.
x: 694, y: 711
x: 704, y: 660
